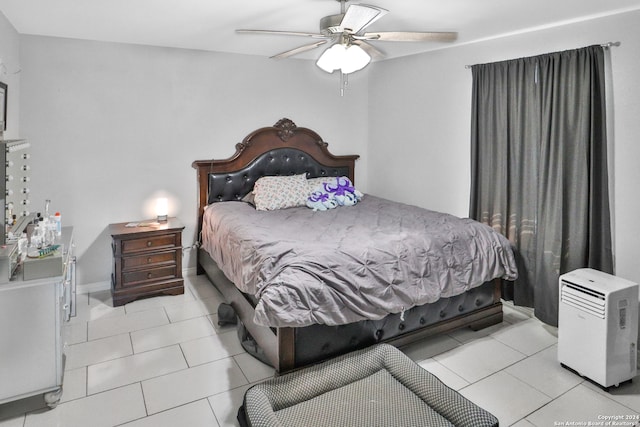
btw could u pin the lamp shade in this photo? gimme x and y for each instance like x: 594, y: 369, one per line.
x: 331, y: 59
x: 162, y: 208
x: 348, y: 58
x: 354, y: 59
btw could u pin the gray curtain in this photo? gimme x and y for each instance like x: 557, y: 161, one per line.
x: 539, y: 167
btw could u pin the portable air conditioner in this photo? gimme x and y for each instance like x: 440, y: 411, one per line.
x: 598, y: 326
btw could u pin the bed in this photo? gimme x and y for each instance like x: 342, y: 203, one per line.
x: 289, y: 342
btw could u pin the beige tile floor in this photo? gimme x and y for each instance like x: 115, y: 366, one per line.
x: 164, y: 362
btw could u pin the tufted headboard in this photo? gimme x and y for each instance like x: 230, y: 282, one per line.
x: 227, y: 186
x: 282, y: 149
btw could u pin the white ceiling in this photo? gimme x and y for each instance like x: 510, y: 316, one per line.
x: 210, y: 24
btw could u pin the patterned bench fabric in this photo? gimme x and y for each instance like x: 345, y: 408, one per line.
x: 378, y: 386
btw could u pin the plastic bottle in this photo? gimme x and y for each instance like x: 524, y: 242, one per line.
x: 58, y: 220
x: 37, y: 237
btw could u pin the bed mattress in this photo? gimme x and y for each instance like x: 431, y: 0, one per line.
x: 352, y: 263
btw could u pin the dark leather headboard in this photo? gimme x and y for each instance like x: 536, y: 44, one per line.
x: 224, y: 187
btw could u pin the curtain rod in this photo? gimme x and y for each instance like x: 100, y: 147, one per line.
x: 610, y: 44
x: 606, y: 45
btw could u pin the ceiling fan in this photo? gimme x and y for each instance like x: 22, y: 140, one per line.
x: 351, y: 49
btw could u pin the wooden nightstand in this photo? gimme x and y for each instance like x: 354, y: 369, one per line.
x: 147, y: 260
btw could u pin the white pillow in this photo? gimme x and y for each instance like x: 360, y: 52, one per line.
x: 316, y: 183
x: 280, y: 192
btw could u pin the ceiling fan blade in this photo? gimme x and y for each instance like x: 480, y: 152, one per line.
x: 359, y: 16
x: 298, y: 50
x: 409, y: 36
x: 370, y: 49
x: 284, y: 33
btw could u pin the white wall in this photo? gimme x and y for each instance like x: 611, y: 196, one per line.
x: 113, y: 126
x: 10, y: 75
x: 419, y: 122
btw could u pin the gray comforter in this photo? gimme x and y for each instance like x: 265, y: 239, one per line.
x: 350, y: 263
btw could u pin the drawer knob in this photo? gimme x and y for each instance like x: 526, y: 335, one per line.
x: 149, y: 244
x: 149, y: 260
x: 149, y: 275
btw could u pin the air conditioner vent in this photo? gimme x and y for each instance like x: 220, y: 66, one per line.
x: 584, y: 289
x: 585, y: 299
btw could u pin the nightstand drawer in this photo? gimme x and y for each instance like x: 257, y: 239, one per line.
x: 151, y: 243
x: 141, y: 276
x: 149, y: 260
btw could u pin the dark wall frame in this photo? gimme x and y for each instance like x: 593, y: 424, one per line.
x: 3, y: 106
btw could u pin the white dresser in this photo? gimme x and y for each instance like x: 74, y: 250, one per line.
x: 32, y: 313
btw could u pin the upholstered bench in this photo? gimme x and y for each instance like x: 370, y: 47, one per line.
x: 377, y: 386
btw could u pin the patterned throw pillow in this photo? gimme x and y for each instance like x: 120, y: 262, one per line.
x: 280, y: 192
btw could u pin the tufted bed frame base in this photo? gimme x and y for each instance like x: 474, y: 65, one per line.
x: 285, y: 149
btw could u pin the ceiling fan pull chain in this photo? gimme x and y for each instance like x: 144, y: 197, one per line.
x: 344, y: 82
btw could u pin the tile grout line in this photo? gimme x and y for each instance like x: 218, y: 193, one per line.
x: 144, y: 399
x: 134, y: 330
x: 546, y: 404
x: 213, y: 410
x: 145, y: 379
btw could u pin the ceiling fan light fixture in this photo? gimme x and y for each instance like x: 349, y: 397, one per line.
x: 354, y: 59
x: 331, y: 58
x: 348, y: 58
